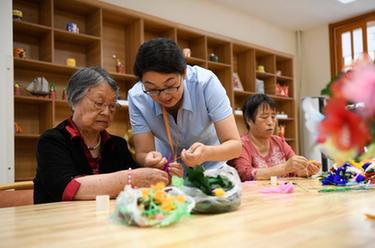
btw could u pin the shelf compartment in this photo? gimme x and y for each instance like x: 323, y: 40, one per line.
x: 285, y: 66
x: 244, y: 65
x: 195, y: 42
x: 154, y: 30
x: 220, y: 48
x: 84, y: 54
x: 120, y: 124
x: 122, y: 37
x: 32, y: 64
x: 266, y: 59
x: 196, y: 61
x: 35, y: 39
x: 87, y: 17
x: 79, y: 39
x: 38, y: 12
x: 61, y: 112
x: 225, y: 77
x: 25, y: 75
x: 25, y: 159
x: 33, y: 114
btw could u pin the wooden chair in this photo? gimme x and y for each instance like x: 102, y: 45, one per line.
x: 16, y: 194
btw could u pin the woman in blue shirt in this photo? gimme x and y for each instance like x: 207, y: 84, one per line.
x: 179, y: 113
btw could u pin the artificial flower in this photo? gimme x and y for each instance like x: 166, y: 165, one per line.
x: 347, y: 129
x: 361, y: 88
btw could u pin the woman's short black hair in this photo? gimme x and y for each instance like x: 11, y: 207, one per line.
x: 159, y: 55
x: 252, y: 104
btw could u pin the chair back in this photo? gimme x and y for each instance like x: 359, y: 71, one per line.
x: 16, y: 194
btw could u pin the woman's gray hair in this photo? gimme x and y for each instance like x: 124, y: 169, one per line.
x: 84, y: 79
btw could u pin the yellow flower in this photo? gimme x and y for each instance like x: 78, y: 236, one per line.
x: 145, y: 194
x: 180, y: 198
x: 159, y: 196
x: 218, y: 192
x: 159, y: 185
x: 168, y: 205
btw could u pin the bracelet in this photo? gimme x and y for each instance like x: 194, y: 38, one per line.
x: 130, y: 176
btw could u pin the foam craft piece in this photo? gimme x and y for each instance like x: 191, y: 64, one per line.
x: 283, y: 188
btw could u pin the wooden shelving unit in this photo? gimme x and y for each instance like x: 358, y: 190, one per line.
x: 105, y: 31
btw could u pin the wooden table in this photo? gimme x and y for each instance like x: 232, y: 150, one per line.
x: 304, y: 218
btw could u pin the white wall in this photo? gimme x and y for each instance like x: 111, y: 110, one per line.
x: 315, y: 61
x: 217, y: 19
x: 6, y: 94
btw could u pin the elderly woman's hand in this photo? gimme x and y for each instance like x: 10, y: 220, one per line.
x: 312, y: 168
x: 295, y: 164
x: 175, y: 169
x: 155, y: 160
x: 145, y: 177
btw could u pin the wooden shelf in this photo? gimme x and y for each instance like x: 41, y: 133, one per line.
x: 217, y: 65
x: 30, y: 28
x: 32, y: 99
x: 26, y: 136
x: 80, y: 39
x: 32, y: 64
x: 105, y: 31
x: 285, y: 119
x: 264, y: 75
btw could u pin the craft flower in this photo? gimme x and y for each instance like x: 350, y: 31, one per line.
x: 361, y: 88
x: 154, y: 206
x: 347, y: 129
x: 349, y: 124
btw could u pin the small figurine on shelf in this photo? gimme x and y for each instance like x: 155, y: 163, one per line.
x: 259, y: 86
x: 63, y: 95
x: 71, y: 62
x: 38, y: 87
x: 278, y: 73
x: 17, y: 128
x: 281, y: 90
x: 19, y: 53
x: 236, y: 82
x: 17, y: 89
x: 186, y: 52
x: 281, y: 131
x: 213, y: 57
x: 120, y: 68
x: 260, y: 68
x: 52, y: 92
x: 17, y: 15
x: 72, y: 27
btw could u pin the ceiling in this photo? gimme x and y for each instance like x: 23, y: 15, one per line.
x: 300, y: 14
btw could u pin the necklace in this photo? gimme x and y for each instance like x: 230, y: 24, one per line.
x: 95, y: 146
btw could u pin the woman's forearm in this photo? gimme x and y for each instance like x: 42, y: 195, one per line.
x: 104, y: 184
x: 228, y: 150
x: 267, y: 173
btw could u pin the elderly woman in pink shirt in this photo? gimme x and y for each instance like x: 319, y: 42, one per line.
x: 264, y: 154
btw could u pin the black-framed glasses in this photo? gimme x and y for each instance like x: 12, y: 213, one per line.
x: 157, y: 92
x: 167, y: 90
x: 100, y: 106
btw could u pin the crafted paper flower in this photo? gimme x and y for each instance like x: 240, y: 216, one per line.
x: 361, y: 88
x: 347, y: 129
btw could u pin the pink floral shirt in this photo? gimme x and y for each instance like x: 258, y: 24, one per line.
x: 250, y: 160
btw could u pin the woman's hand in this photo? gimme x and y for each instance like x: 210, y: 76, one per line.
x: 155, y: 160
x: 145, y: 177
x: 295, y: 163
x: 194, y: 156
x: 175, y: 169
x: 312, y: 168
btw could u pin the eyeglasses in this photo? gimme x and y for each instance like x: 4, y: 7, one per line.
x: 157, y: 92
x: 100, y: 106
